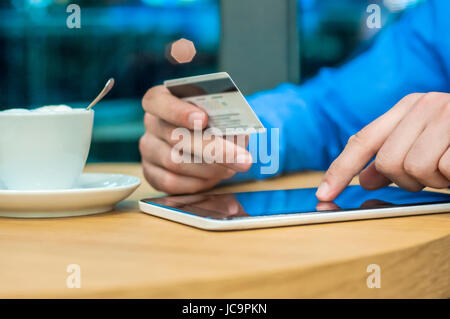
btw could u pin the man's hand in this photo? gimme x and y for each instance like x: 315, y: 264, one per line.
x: 165, y: 113
x: 411, y: 144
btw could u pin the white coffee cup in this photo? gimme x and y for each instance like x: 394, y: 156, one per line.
x: 44, y: 150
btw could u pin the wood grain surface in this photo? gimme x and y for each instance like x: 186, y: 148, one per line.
x: 127, y: 254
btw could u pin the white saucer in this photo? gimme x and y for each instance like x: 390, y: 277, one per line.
x: 94, y: 193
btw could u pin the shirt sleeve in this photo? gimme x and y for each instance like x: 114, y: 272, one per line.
x: 315, y: 120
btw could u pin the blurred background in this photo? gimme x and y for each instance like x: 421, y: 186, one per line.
x: 259, y: 42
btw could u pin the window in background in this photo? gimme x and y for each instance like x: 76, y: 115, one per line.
x: 44, y: 62
x: 332, y: 32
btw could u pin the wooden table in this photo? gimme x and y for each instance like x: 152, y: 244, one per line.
x: 129, y: 254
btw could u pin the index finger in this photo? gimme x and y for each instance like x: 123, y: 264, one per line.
x: 360, y: 149
x: 161, y: 103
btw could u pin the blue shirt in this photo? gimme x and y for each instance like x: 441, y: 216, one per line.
x: 316, y: 119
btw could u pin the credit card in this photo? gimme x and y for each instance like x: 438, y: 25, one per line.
x: 220, y: 98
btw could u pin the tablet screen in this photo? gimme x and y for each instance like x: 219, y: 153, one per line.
x: 279, y: 202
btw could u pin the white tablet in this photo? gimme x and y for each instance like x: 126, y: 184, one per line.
x: 261, y: 209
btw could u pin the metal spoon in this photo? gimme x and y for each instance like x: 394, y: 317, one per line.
x: 108, y: 86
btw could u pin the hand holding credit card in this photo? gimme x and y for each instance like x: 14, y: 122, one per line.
x: 172, y: 114
x: 220, y: 98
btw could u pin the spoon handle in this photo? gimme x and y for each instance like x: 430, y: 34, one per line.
x: 108, y: 86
